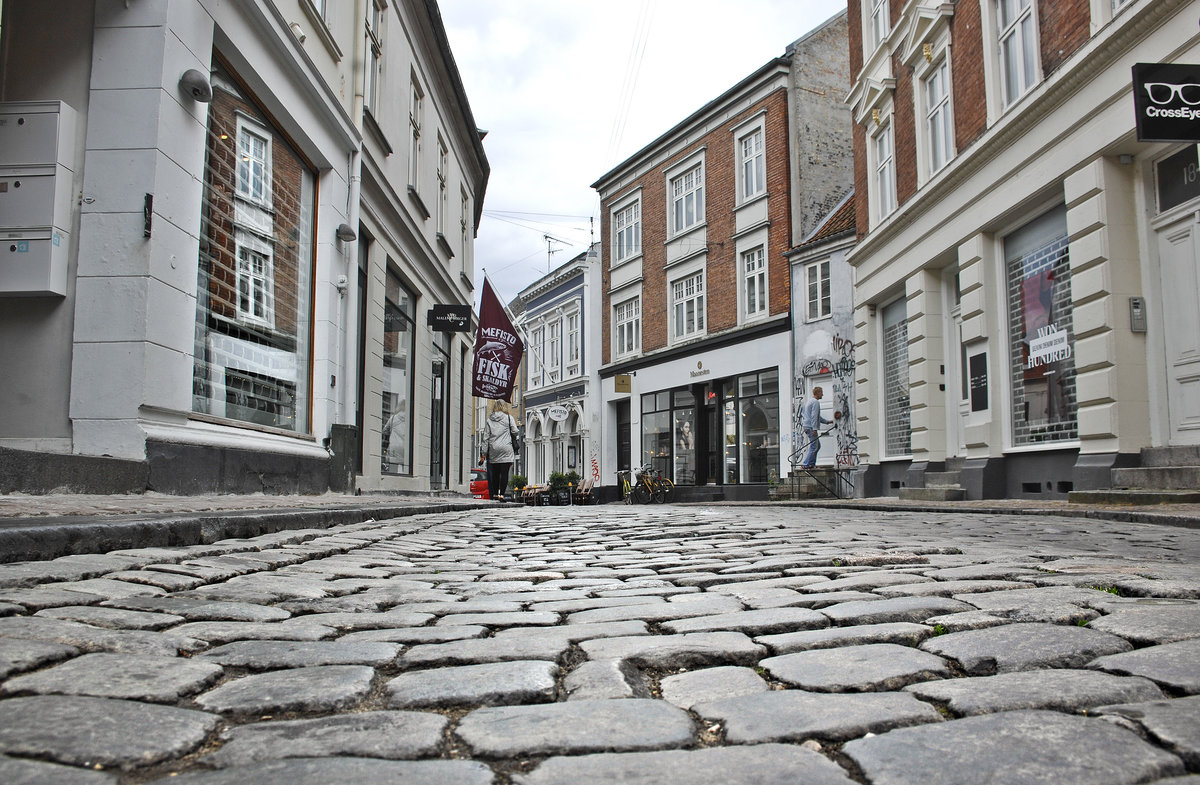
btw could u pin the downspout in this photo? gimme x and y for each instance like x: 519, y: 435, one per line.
x: 349, y: 395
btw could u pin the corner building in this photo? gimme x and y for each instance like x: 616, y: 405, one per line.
x: 695, y: 292
x: 1026, y: 304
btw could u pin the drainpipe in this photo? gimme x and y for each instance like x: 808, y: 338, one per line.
x: 348, y: 398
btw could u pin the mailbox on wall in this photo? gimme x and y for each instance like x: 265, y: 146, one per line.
x: 37, y: 170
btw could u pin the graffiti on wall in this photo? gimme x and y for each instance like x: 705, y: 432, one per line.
x: 835, y: 373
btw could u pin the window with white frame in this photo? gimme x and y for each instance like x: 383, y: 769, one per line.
x: 554, y: 352
x: 255, y: 295
x: 879, y: 22
x: 374, y: 65
x: 443, y: 193
x: 416, y: 108
x: 817, y: 285
x: 537, y: 368
x: 627, y: 225
x: 939, y: 124
x: 627, y: 329
x: 573, y: 344
x: 687, y: 198
x: 1016, y: 23
x: 254, y: 165
x: 687, y: 306
x: 885, y: 171
x: 754, y: 283
x: 753, y: 167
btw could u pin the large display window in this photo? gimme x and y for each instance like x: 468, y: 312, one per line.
x: 399, y: 349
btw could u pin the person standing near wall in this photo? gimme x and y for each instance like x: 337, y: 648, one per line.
x: 500, y: 447
x: 810, y: 423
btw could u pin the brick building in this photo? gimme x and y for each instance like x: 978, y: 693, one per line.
x: 1014, y: 234
x: 695, y: 292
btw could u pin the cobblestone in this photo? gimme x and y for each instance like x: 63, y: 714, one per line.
x: 679, y: 644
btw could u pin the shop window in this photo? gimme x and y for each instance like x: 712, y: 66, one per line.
x: 399, y: 352
x: 758, y: 426
x: 896, y: 412
x: 253, y: 328
x: 1041, y: 331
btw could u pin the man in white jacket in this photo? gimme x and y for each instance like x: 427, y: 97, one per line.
x: 499, y: 440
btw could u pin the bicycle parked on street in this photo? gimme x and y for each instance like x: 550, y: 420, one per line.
x: 649, y: 486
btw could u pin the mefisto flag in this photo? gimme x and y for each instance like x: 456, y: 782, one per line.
x: 498, y: 350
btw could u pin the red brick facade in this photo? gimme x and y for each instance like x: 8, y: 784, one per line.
x: 720, y: 197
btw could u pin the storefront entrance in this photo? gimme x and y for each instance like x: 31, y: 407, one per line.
x: 1179, y: 271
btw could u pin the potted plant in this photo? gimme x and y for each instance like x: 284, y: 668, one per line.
x: 560, y: 490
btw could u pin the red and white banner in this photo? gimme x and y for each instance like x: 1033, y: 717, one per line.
x: 498, y: 349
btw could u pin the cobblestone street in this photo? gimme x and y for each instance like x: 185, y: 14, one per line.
x: 658, y: 645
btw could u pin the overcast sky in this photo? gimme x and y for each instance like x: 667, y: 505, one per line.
x: 568, y: 89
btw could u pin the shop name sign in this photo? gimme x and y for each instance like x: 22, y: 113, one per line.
x: 1049, y: 346
x: 450, y: 318
x: 557, y: 413
x: 1166, y: 99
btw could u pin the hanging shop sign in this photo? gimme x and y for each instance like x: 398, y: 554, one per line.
x: 1166, y: 99
x: 557, y: 413
x: 450, y: 318
x: 623, y: 383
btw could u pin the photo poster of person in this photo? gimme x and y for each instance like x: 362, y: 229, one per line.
x: 685, y: 446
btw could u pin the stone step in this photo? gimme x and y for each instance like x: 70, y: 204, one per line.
x: 934, y: 494
x: 1158, y: 478
x: 942, y: 479
x: 1133, y: 497
x: 1170, y: 456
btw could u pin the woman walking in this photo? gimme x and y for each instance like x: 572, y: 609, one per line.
x: 500, y: 447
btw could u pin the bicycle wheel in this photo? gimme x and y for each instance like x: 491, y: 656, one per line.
x: 641, y: 492
x: 626, y: 491
x: 665, y: 492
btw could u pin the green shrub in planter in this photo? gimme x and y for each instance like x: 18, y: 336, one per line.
x: 518, y: 481
x: 573, y: 478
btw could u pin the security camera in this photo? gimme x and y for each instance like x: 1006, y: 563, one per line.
x: 196, y: 85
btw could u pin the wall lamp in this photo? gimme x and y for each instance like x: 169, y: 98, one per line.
x: 196, y: 85
x: 346, y: 233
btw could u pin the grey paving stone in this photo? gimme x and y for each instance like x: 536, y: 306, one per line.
x: 515, y: 619
x: 396, y: 735
x: 574, y: 633
x: 785, y: 582
x: 967, y: 620
x: 1192, y: 779
x: 1175, y: 724
x: 415, y: 635
x: 99, y: 731
x: 901, y: 632
x: 19, y: 654
x: 271, y: 655
x: 216, y: 632
x: 706, y: 606
x: 711, y: 684
x: 605, y: 679
x: 163, y: 580
x: 689, y: 650
x: 1017, y: 647
x: 866, y: 668
x: 321, y: 688
x: 756, y: 622
x: 113, y: 618
x: 824, y: 599
x: 1060, y: 690
x: 589, y: 603
x: 128, y: 676
x: 108, y: 589
x: 1146, y: 626
x: 193, y: 609
x: 15, y: 771
x: 342, y: 771
x: 575, y: 728
x: 488, y: 684
x: 948, y: 588
x: 1050, y: 604
x: 39, y: 597
x: 865, y: 581
x: 763, y: 764
x: 66, y: 568
x: 998, y: 571
x: 88, y: 638
x: 1172, y: 665
x: 1038, y: 747
x: 795, y: 715
x: 11, y: 609
x: 480, y: 650
x: 363, y: 621
x: 896, y: 609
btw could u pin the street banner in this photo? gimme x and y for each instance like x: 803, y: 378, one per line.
x: 1166, y: 98
x: 498, y: 350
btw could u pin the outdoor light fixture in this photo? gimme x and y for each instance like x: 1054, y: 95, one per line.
x: 196, y: 85
x: 346, y: 233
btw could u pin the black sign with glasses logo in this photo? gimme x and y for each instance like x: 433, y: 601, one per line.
x: 1166, y: 98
